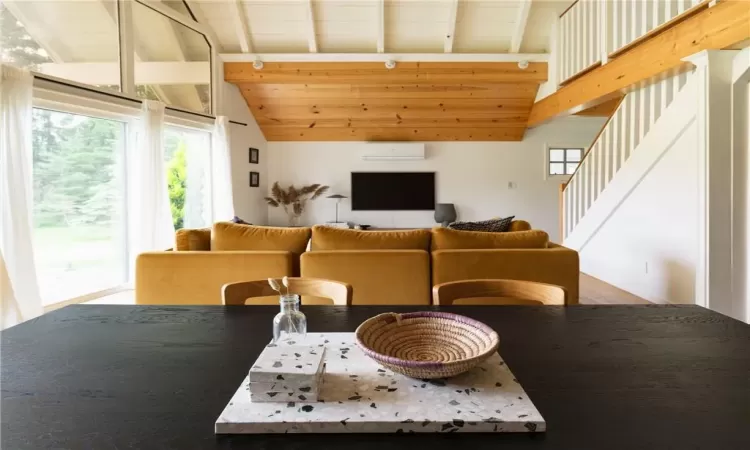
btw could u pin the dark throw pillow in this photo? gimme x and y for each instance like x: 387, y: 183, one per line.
x: 236, y: 219
x: 492, y: 225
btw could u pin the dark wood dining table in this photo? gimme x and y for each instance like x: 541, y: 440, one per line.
x: 150, y: 377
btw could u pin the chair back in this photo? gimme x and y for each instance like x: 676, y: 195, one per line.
x: 238, y: 293
x: 507, y: 292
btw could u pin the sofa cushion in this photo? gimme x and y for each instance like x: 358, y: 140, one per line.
x: 329, y: 238
x: 231, y: 236
x: 492, y: 225
x: 192, y: 239
x: 448, y: 239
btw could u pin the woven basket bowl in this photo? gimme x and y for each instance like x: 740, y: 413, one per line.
x: 427, y: 344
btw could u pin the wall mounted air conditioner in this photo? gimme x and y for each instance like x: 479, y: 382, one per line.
x: 393, y: 151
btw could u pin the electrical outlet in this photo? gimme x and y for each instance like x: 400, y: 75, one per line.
x: 646, y: 266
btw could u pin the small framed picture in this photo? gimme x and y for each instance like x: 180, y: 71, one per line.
x: 254, y: 179
x: 254, y: 155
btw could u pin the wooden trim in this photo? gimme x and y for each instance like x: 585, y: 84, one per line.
x: 585, y: 155
x: 713, y: 28
x: 569, y: 8
x: 581, y: 73
x: 693, y: 10
x: 383, y: 57
x: 561, y: 210
x: 377, y: 73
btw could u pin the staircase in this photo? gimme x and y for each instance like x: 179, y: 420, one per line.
x: 618, y: 141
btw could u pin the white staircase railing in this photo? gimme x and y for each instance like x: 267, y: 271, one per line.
x: 592, y: 31
x: 637, y: 112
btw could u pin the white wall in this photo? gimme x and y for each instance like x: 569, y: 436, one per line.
x: 641, y: 234
x: 473, y: 175
x: 248, y: 202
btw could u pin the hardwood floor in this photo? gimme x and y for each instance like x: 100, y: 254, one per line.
x: 594, y: 291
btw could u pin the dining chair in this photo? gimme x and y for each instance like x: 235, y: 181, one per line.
x: 238, y: 293
x: 503, y: 292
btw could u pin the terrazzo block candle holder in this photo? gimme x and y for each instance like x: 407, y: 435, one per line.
x: 288, y: 373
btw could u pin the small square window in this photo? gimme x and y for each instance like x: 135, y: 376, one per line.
x: 564, y: 161
x: 556, y: 169
x: 557, y: 155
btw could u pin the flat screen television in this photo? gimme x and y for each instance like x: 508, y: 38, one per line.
x: 393, y: 191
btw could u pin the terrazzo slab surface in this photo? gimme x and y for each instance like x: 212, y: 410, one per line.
x: 288, y: 362
x: 357, y: 395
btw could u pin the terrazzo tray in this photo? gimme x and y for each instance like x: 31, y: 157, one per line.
x: 357, y: 395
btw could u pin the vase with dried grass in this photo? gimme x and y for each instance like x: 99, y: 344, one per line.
x: 294, y: 200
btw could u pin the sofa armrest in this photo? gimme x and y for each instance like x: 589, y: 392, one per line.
x: 196, y: 277
x: 555, y: 265
x: 378, y: 277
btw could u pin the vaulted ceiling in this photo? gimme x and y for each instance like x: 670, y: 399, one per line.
x: 333, y: 100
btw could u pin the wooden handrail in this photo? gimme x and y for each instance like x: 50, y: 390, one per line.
x: 585, y: 155
x: 690, y: 12
x: 569, y: 8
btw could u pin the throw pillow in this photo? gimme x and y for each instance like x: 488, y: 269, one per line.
x: 492, y: 225
x: 236, y: 219
x: 192, y: 239
x: 231, y: 236
x: 449, y: 239
x: 329, y: 238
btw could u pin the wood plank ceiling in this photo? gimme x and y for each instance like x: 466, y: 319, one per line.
x: 353, y: 101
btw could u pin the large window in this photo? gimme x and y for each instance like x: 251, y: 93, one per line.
x: 188, y: 160
x: 80, y: 41
x: 79, y: 199
x: 172, y: 61
x: 75, y: 40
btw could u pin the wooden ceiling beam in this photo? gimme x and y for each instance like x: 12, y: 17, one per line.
x: 395, y: 134
x: 401, y: 92
x: 520, y: 27
x: 376, y: 73
x: 380, y: 26
x: 274, y: 124
x: 717, y: 27
x: 381, y: 57
x: 451, y: 31
x: 312, y: 41
x: 241, y: 26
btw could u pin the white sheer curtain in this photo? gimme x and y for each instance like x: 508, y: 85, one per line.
x: 151, y: 226
x: 223, y: 201
x: 19, y: 288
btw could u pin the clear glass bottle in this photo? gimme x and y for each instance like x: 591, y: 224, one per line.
x: 289, y: 324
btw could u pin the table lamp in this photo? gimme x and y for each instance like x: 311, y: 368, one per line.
x: 338, y: 198
x: 445, y: 213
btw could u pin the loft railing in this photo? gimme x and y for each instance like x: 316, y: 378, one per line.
x: 591, y: 32
x: 619, y: 137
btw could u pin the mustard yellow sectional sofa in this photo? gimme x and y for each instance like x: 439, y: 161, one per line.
x: 383, y: 267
